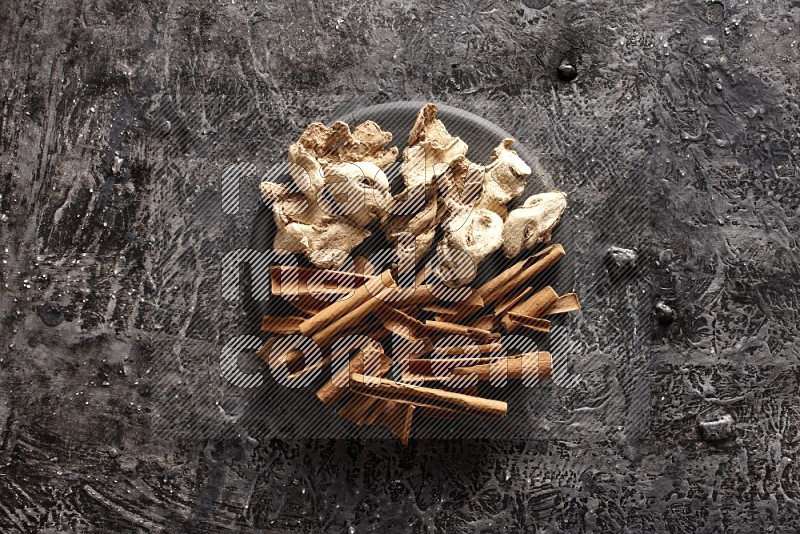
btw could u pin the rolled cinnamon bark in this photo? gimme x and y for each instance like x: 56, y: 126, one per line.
x: 341, y: 308
x: 485, y: 322
x: 358, y: 408
x: 533, y: 307
x: 349, y: 318
x: 308, y: 304
x: 564, y: 304
x: 427, y: 397
x: 532, y: 364
x: 458, y: 387
x: 396, y: 418
x: 281, y: 325
x: 467, y: 350
x: 377, y: 332
x: 544, y: 259
x: 507, y: 303
x: 400, y: 323
x: 366, y: 362
x: 289, y: 281
x: 441, y: 328
x: 466, y: 306
x: 441, y: 367
x: 536, y: 324
x: 416, y: 379
x: 492, y: 290
x: 265, y: 352
x: 420, y: 296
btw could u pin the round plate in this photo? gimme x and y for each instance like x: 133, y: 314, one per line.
x: 482, y: 137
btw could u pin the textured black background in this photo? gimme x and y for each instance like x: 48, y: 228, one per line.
x: 95, y: 250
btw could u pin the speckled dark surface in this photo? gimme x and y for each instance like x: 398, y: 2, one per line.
x: 95, y: 250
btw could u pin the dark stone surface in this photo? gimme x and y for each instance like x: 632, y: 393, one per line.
x: 93, y: 246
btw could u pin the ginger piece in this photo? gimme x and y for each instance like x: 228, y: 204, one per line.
x: 341, y: 188
x: 430, y: 149
x: 412, y: 220
x: 413, y: 235
x: 320, y: 147
x: 476, y: 198
x: 504, y: 179
x: 302, y: 227
x: 470, y: 236
x: 489, y: 186
x: 533, y: 222
x: 359, y: 192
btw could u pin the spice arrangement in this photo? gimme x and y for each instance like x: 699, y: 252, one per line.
x: 444, y: 337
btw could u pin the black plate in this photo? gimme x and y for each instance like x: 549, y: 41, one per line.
x: 526, y: 404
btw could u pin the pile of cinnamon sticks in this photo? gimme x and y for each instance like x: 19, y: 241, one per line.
x: 444, y: 350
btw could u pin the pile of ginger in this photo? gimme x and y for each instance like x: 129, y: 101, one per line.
x: 339, y: 187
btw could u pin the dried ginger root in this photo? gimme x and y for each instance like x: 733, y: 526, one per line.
x: 533, y: 222
x: 476, y: 198
x: 411, y: 225
x: 470, y: 236
x: 341, y: 188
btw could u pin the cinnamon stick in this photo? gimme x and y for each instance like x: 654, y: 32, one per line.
x: 485, y: 322
x: 507, y: 303
x: 289, y: 281
x: 492, y: 290
x: 536, y: 324
x: 340, y: 308
x: 539, y: 364
x: 281, y: 325
x: 416, y: 379
x: 366, y: 362
x: 396, y: 418
x: 564, y: 304
x: 400, y: 323
x: 546, y: 258
x: 308, y: 304
x: 349, y: 318
x: 441, y: 328
x: 441, y: 367
x: 377, y: 332
x: 442, y: 413
x: 265, y: 351
x: 427, y: 397
x: 467, y: 306
x: 420, y: 296
x: 358, y: 409
x: 533, y: 307
x: 467, y: 350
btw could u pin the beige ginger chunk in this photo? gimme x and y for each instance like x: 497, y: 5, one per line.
x: 491, y: 186
x: 533, y: 222
x: 302, y: 227
x: 356, y: 191
x: 470, y: 236
x: 476, y: 197
x: 430, y: 149
x: 342, y: 188
x: 411, y: 225
x: 321, y: 146
x: 413, y: 234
